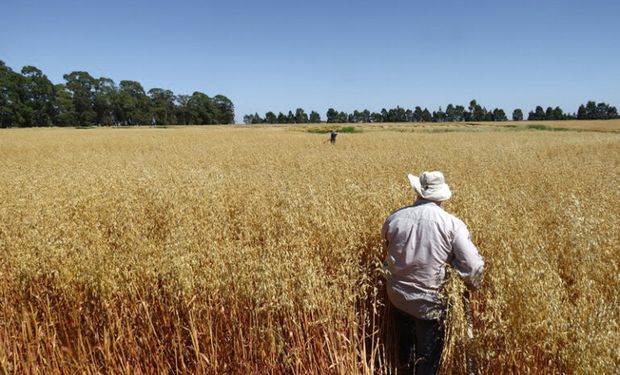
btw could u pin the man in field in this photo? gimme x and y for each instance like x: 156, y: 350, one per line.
x: 421, y: 240
x: 332, y: 137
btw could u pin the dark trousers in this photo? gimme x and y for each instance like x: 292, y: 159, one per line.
x: 420, y: 344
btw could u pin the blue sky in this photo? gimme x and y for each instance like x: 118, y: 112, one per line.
x: 279, y: 55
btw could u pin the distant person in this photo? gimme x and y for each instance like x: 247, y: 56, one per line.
x: 421, y: 240
x: 332, y: 137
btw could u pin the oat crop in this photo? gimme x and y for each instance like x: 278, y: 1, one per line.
x: 239, y: 250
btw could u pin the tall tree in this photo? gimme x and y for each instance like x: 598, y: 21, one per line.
x: 418, y: 114
x: 591, y: 110
x: 225, y: 110
x: 315, y: 117
x: 300, y: 116
x: 537, y: 115
x: 182, y: 113
x: 376, y: 117
x: 450, y: 113
x: 103, y: 101
x: 582, y: 114
x: 549, y: 115
x: 134, y: 104
x: 332, y: 115
x: 162, y: 106
x: 517, y: 115
x: 66, y: 115
x: 426, y: 116
x: 39, y: 96
x: 81, y: 86
x: 13, y: 111
x: 499, y: 115
x: 202, y: 109
x: 366, y: 115
x: 271, y: 118
x: 439, y: 116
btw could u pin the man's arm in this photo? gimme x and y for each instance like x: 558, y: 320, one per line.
x: 467, y: 261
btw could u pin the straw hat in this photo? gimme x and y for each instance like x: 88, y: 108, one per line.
x: 431, y: 186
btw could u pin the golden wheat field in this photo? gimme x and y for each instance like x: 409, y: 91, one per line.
x: 237, y: 250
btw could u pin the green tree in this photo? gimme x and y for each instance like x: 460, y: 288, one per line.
x: 81, y: 86
x: 39, y: 96
x: 450, y: 113
x: 202, y: 109
x: 300, y: 116
x: 517, y: 115
x: 549, y: 114
x: 397, y: 114
x: 439, y: 115
x: 376, y: 117
x: 249, y: 119
x: 225, y: 110
x: 499, y: 115
x: 385, y: 115
x: 271, y: 118
x: 290, y: 118
x: 426, y: 116
x: 103, y: 101
x: 591, y: 110
x: 66, y: 115
x: 459, y: 113
x: 133, y: 103
x: 256, y: 119
x: 582, y: 113
x: 182, y: 114
x: 366, y: 115
x: 537, y: 115
x: 13, y: 111
x: 418, y: 114
x: 601, y: 111
x: 162, y: 106
x: 315, y: 117
x: 332, y: 115
x: 409, y: 115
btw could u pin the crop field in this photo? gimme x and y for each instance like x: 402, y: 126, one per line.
x: 243, y: 250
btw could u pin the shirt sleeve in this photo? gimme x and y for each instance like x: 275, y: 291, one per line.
x: 467, y: 261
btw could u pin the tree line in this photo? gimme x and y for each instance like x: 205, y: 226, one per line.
x: 29, y: 98
x: 453, y: 113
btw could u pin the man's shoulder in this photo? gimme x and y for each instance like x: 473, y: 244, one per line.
x: 401, y: 212
x: 426, y: 211
x: 456, y: 222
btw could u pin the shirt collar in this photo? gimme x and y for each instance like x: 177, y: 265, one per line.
x: 422, y: 201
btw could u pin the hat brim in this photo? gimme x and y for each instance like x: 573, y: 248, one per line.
x: 438, y: 193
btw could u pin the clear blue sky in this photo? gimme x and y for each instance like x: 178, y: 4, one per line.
x: 279, y: 55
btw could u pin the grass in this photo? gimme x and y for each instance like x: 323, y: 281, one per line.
x: 545, y: 127
x: 238, y: 250
x: 325, y: 130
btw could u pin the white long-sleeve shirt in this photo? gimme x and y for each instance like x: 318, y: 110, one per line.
x: 421, y: 240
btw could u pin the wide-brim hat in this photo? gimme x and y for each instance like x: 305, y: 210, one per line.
x: 431, y: 186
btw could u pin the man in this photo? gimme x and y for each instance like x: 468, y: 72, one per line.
x: 332, y: 137
x: 421, y: 240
